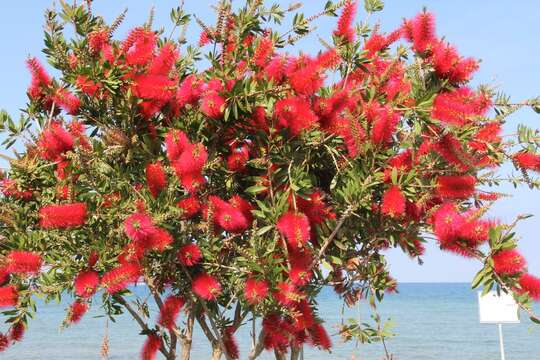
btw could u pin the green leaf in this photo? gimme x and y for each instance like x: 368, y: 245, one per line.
x: 372, y: 6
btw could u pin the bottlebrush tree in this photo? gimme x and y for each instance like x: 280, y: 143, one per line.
x: 249, y: 179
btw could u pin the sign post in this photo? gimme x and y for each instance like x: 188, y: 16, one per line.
x: 498, y: 309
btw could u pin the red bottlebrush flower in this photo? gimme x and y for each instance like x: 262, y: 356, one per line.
x: 509, y: 262
x: 228, y: 217
x: 9, y: 296
x: 459, y: 107
x: 319, y: 337
x: 449, y: 65
x: 206, y: 287
x: 305, y: 76
x: 393, y: 202
x: 204, y: 39
x: 9, y: 188
x: 189, y: 91
x: 231, y: 345
x: 86, y: 284
x: 156, y: 178
x: 276, y: 333
x: 450, y: 149
x: 154, y: 87
x: 40, y: 78
x: 159, y: 240
x: 345, y: 29
x: 97, y: 40
x: 86, y: 85
x: 62, y: 216
x: 213, y: 105
x: 16, y: 333
x: 164, y: 62
x: 286, y: 294
x: 315, y: 208
x: 263, y: 52
x: 299, y: 275
x: 258, y: 119
x: 255, y: 290
x: 328, y: 59
x: 487, y: 134
x: 139, y: 46
x: 447, y: 223
x: 384, y: 126
x: 302, y: 317
x: 275, y: 70
x: 151, y: 347
x: 55, y: 141
x: 244, y: 206
x: 120, y: 277
x: 176, y: 141
x: 67, y: 101
x: 192, y: 182
x: 295, y: 228
x: 238, y: 159
x: 190, y: 207
x: 4, y: 342
x: 531, y: 285
x: 192, y: 160
x: 92, y: 259
x: 170, y: 310
x: 189, y: 254
x: 295, y: 114
x: 139, y: 227
x: 527, y: 160
x: 23, y: 262
x: 421, y: 31
x: 76, y: 311
x: 456, y: 187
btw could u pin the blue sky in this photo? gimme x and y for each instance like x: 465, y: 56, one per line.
x: 503, y: 35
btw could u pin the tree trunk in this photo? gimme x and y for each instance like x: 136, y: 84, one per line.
x: 295, y: 353
x: 216, y: 352
x: 188, y: 338
x: 279, y: 355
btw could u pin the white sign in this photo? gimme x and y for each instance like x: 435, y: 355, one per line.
x: 498, y: 309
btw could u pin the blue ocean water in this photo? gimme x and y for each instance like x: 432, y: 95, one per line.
x: 432, y: 322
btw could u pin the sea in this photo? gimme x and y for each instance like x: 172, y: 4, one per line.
x: 432, y: 321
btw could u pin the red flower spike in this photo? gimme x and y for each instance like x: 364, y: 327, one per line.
x: 139, y: 227
x: 447, y: 223
x: 156, y: 178
x: 295, y: 228
x: 460, y: 106
x: 384, y: 126
x: 527, y: 160
x: 509, y: 262
x: 295, y: 114
x: 170, y: 310
x: 16, y: 333
x: 4, y: 342
x: 151, y: 347
x: 86, y: 85
x: 237, y: 161
x: 206, y: 287
x: 319, y: 337
x: 421, y: 31
x: 263, y: 52
x: 23, y: 262
x: 62, y: 216
x: 9, y: 296
x: 255, y: 290
x: 393, y: 202
x: 67, y: 101
x: 190, y: 207
x: 189, y: 255
x: 158, y: 240
x: 213, y: 105
x: 176, y: 142
x: 189, y: 91
x: 530, y: 284
x: 154, y: 87
x: 76, y: 311
x: 86, y: 284
x: 40, y: 78
x: 231, y: 345
x: 345, y: 29
x: 54, y: 142
x: 192, y: 160
x: 286, y: 294
x: 456, y: 187
x: 164, y: 62
x: 139, y: 46
x: 120, y: 277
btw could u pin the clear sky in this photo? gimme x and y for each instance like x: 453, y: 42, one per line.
x: 503, y: 34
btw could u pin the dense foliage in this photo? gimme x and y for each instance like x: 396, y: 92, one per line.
x: 250, y: 178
